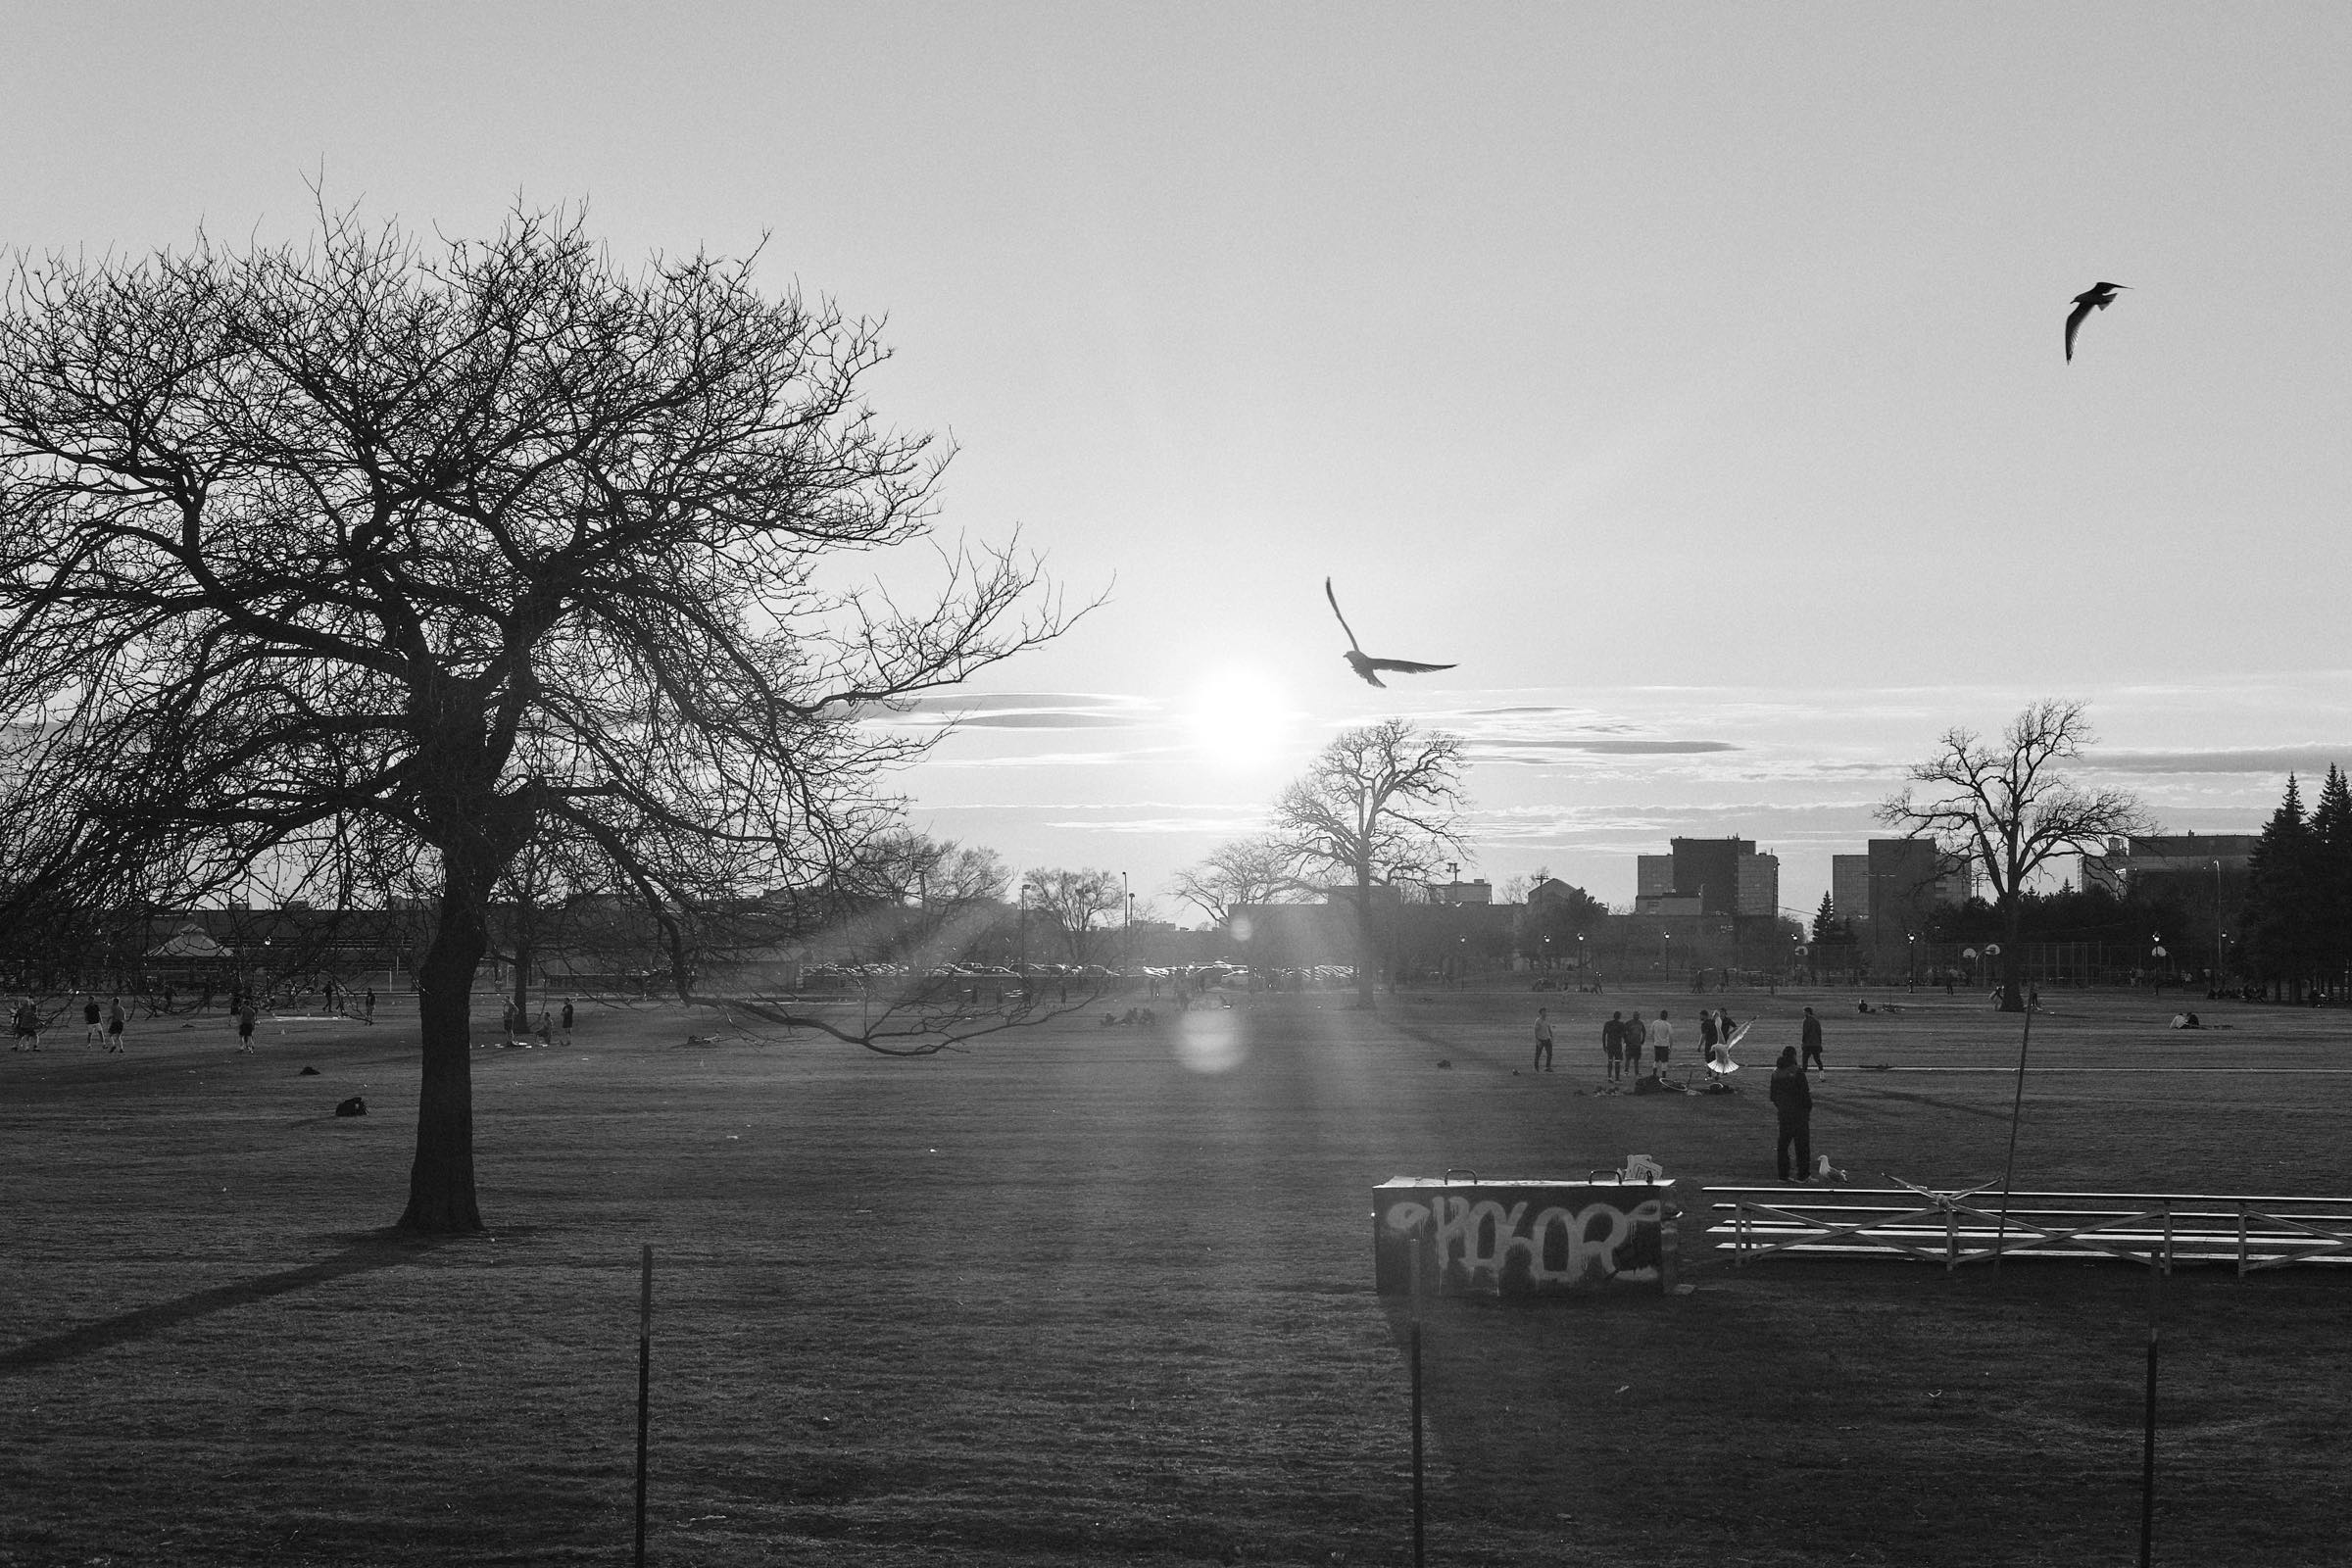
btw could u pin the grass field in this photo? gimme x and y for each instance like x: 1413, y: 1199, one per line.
x: 1085, y: 1295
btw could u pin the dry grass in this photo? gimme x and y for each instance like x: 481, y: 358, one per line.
x: 1067, y: 1298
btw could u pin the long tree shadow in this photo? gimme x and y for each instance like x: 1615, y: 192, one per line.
x: 375, y: 1249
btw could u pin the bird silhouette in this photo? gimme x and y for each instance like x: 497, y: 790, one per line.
x: 2095, y: 298
x: 1365, y: 664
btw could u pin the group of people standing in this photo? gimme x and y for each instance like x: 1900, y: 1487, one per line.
x: 515, y: 1020
x: 1623, y: 1039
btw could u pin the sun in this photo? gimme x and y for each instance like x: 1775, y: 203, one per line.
x: 1239, y: 719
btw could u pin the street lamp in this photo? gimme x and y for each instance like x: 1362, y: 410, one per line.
x: 2156, y: 956
x: 1666, y: 952
x: 1912, y: 937
x: 2216, y: 928
x: 1579, y: 958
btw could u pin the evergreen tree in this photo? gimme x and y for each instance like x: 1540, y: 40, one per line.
x: 2277, y: 918
x: 1824, y: 920
x: 2331, y: 877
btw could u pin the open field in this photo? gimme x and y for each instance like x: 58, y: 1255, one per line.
x: 1086, y: 1295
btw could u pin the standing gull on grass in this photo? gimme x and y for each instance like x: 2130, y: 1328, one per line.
x: 1364, y: 663
x: 2097, y: 297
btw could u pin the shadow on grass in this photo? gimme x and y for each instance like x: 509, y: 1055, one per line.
x: 373, y: 1249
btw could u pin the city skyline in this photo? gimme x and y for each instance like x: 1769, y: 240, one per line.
x: 1692, y: 381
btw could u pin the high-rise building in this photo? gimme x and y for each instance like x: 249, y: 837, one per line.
x: 1759, y: 878
x: 1653, y: 875
x: 1849, y: 887
x: 1710, y: 870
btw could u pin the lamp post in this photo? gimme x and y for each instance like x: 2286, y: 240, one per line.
x: 2156, y: 956
x: 1579, y: 958
x: 1666, y: 952
x: 2216, y: 928
x: 1911, y: 938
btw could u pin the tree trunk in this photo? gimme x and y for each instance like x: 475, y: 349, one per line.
x: 1367, y: 949
x: 441, y: 1195
x: 525, y: 950
x: 2013, y: 955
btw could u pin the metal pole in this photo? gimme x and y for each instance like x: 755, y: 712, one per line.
x: 1420, y: 1513
x: 2017, y: 1108
x: 645, y: 1385
x: 2147, y: 1452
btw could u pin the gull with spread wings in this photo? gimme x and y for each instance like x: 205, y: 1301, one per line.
x: 1365, y: 664
x: 2097, y: 297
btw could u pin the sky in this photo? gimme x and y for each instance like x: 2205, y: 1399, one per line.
x: 1690, y: 377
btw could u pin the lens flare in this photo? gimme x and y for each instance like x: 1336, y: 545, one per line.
x: 1209, y: 1042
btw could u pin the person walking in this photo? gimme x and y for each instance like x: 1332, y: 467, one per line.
x: 1544, y: 1039
x: 1792, y: 1103
x: 27, y: 1022
x: 566, y: 1021
x: 1634, y: 1035
x: 94, y: 1023
x: 1812, y: 1043
x: 246, y: 1017
x: 1661, y: 1040
x: 368, y: 1003
x: 114, y: 1025
x: 1612, y: 1044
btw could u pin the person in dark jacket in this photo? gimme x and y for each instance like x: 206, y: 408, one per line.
x: 1612, y: 1044
x: 1793, y: 1101
x: 1812, y: 1043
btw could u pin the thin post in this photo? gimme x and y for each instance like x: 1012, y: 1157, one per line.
x: 2242, y: 1237
x: 2147, y: 1451
x: 645, y: 1385
x: 1420, y: 1513
x: 2017, y: 1109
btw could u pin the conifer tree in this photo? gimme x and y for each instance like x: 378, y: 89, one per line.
x: 2331, y: 877
x: 2277, y: 918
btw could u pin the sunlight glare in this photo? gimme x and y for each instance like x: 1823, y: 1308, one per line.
x: 1239, y: 718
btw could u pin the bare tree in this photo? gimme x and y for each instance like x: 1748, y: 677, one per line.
x: 1074, y: 902
x: 372, y: 559
x: 1384, y: 800
x: 1241, y: 871
x: 2008, y: 810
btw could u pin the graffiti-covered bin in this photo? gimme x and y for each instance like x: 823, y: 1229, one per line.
x: 1521, y: 1237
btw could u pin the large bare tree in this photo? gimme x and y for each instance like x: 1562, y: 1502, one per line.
x: 1258, y: 869
x: 1076, y: 903
x: 372, y: 559
x: 1380, y: 802
x: 2007, y: 808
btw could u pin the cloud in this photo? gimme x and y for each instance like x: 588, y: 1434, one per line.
x: 1507, y: 750
x: 2276, y: 759
x: 1040, y: 721
x: 1018, y: 710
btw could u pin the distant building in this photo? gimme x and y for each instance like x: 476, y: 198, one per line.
x: 2187, y: 862
x: 1909, y: 880
x: 1653, y: 875
x: 1458, y: 893
x: 1849, y: 887
x: 1759, y: 884
x: 1710, y: 869
x: 1550, y: 890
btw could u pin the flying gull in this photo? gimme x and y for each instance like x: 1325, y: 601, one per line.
x: 1362, y: 662
x: 2095, y: 298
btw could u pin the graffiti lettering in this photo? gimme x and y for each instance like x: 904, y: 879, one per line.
x: 1527, y: 1239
